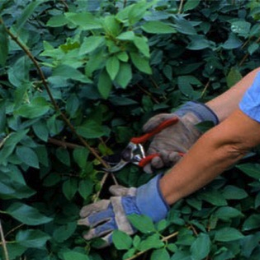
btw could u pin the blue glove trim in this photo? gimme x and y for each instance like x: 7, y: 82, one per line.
x: 203, y: 112
x: 150, y: 202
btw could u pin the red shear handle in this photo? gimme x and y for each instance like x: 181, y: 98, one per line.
x: 148, y: 158
x: 158, y: 129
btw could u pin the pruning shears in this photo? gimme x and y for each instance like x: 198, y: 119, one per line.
x: 134, y: 151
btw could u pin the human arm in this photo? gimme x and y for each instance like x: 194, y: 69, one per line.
x: 216, y: 150
x: 179, y: 138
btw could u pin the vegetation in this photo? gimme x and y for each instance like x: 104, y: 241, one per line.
x: 78, y: 79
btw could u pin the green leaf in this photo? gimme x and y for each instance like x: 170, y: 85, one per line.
x: 126, y: 36
x: 67, y: 72
x: 10, y: 144
x: 111, y: 25
x: 85, y: 188
x: 160, y: 254
x: 142, y: 223
x: 27, y: 12
x: 141, y: 63
x: 123, y: 56
x: 121, y: 240
x: 233, y: 42
x: 184, y: 26
x: 18, y: 73
x: 157, y: 27
x: 257, y: 200
x: 137, y: 11
x: 142, y: 45
x: 161, y: 225
x: 80, y: 156
x: 2, y: 115
x: 14, y: 250
x: 228, y: 234
x: 27, y: 156
x: 64, y: 232
x: 214, y: 197
x: 63, y: 156
x: 198, y: 42
x: 57, y: 21
x: 96, y: 61
x: 90, y: 44
x: 226, y: 213
x: 250, y: 169
x: 252, y: 222
x: 112, y: 67
x: 104, y: 84
x: 233, y: 77
x: 150, y: 242
x: 71, y: 255
x: 90, y: 129
x: 85, y: 20
x: 32, y: 238
x: 241, y: 27
x: 124, y: 75
x: 27, y: 214
x: 190, y: 5
x: 234, y: 193
x: 3, y: 45
x: 69, y: 188
x: 36, y: 108
x: 41, y: 130
x: 200, y: 248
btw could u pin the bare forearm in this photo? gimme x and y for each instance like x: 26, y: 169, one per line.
x: 210, y: 156
x: 226, y: 103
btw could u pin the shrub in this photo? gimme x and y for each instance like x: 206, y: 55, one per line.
x: 78, y: 80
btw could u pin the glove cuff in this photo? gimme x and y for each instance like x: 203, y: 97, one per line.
x: 201, y: 111
x: 150, y: 201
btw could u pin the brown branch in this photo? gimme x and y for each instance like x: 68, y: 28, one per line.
x: 164, y: 239
x: 64, y: 144
x: 3, y: 242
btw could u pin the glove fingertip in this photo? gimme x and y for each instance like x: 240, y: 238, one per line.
x: 157, y: 162
x: 148, y: 168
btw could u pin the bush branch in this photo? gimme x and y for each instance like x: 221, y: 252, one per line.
x: 45, y: 84
x: 164, y: 239
x: 3, y: 242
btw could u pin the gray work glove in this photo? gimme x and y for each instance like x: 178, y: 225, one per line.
x: 105, y: 216
x: 177, y: 138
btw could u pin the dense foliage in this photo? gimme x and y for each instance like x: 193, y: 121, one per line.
x: 77, y: 80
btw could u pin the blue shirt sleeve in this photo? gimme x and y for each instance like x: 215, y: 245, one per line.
x: 250, y: 103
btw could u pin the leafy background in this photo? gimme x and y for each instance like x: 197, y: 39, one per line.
x: 79, y: 79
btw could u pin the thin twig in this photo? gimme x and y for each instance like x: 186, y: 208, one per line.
x: 65, y: 5
x: 3, y: 242
x: 13, y: 229
x: 247, y: 54
x: 181, y: 6
x: 205, y: 89
x: 64, y: 144
x: 164, y: 239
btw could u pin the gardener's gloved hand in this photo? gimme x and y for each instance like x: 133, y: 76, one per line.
x: 105, y: 216
x: 178, y: 137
